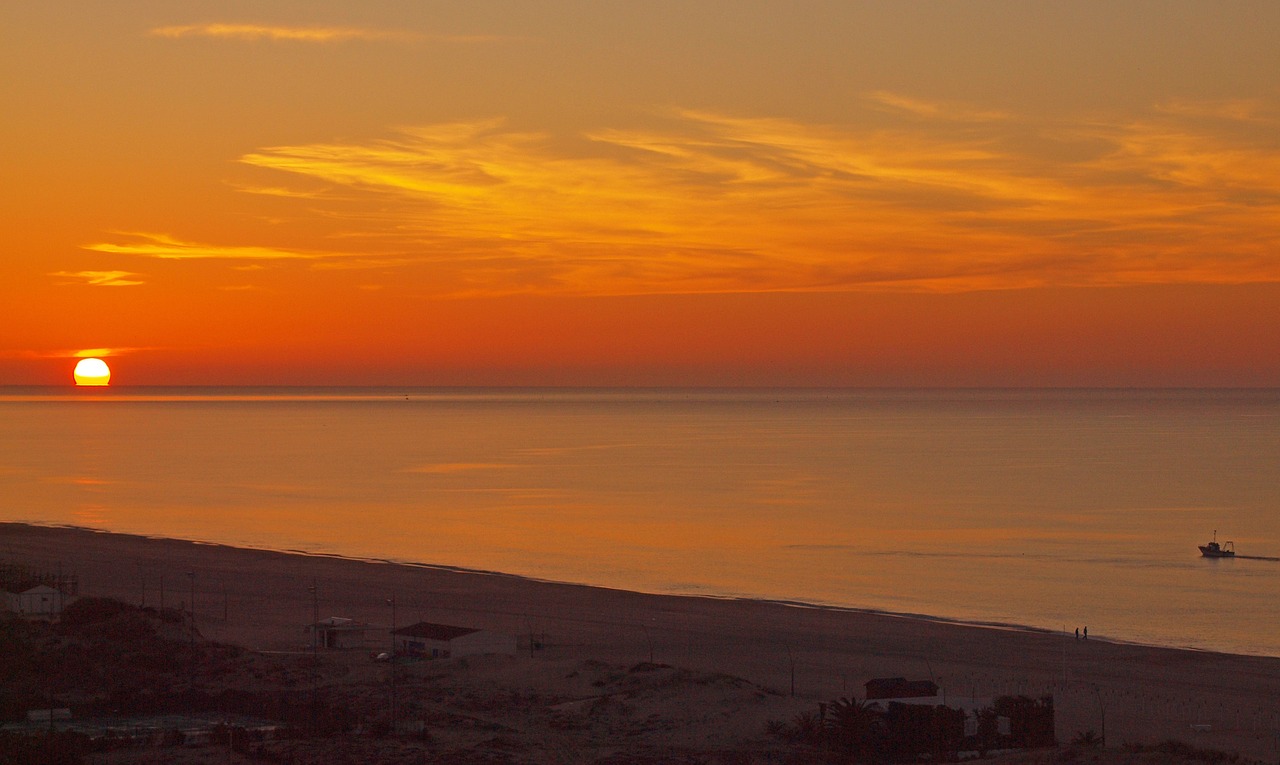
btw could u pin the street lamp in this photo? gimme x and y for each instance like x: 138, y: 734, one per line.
x: 315, y: 660
x: 791, y: 659
x: 1097, y: 692
x: 191, y: 575
x: 391, y: 664
x: 315, y: 617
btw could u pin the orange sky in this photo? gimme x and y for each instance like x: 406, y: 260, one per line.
x: 684, y: 193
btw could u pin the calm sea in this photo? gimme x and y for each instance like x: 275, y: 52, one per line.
x: 1046, y: 508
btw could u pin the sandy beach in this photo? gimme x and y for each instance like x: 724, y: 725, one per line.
x: 262, y: 600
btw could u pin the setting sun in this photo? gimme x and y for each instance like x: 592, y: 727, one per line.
x: 91, y: 372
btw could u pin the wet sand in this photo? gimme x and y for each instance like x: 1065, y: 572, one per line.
x: 263, y: 600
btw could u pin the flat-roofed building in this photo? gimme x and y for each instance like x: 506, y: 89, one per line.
x: 443, y: 641
x: 41, y: 600
x: 338, y: 632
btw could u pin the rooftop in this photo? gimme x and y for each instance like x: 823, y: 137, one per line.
x: 434, y: 631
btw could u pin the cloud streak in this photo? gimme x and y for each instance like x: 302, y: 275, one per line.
x: 958, y: 112
x: 942, y: 197
x: 75, y: 353
x: 101, y: 278
x: 165, y: 247
x: 310, y: 34
x: 447, y: 468
x: 252, y: 32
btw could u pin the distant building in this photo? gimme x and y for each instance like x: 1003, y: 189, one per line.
x: 338, y: 632
x: 900, y: 688
x: 41, y: 600
x: 442, y: 641
x: 919, y: 710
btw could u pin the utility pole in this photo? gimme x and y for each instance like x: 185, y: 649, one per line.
x: 315, y: 617
x: 391, y: 664
x: 1064, y: 658
x: 315, y: 659
x: 1102, y: 710
x: 192, y: 576
x: 791, y: 659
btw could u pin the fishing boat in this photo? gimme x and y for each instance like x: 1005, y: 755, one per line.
x: 1215, y: 550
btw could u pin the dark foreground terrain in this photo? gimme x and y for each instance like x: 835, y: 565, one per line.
x: 142, y: 687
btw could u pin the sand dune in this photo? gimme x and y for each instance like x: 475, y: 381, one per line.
x: 262, y: 600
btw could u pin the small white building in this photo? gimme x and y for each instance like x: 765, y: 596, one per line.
x: 971, y: 707
x: 41, y: 600
x: 338, y: 632
x: 442, y: 641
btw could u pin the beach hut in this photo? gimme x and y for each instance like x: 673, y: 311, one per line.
x: 338, y: 632
x: 900, y: 688
x: 41, y: 600
x: 443, y: 641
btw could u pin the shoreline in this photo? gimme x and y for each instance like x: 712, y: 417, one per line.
x: 781, y: 602
x: 262, y: 600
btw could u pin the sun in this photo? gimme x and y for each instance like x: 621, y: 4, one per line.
x: 92, y: 372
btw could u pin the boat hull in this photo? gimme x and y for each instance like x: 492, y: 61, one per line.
x: 1209, y: 552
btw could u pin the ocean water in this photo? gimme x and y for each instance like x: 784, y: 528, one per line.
x: 1044, y: 508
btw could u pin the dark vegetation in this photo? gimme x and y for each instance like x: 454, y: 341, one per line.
x: 852, y: 730
x: 105, y: 658
x: 1179, y: 751
x: 110, y: 659
x: 1086, y: 748
x: 15, y: 577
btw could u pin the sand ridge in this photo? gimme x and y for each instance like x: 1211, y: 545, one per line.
x: 262, y: 600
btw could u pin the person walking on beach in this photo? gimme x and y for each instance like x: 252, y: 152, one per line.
x: 1086, y: 633
x: 1077, y: 633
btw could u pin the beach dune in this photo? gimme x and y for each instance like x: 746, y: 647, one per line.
x: 263, y: 600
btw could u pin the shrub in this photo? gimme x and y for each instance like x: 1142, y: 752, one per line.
x: 88, y: 611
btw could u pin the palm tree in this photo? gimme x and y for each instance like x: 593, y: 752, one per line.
x: 853, y: 726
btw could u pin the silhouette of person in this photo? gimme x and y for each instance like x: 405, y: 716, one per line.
x: 1086, y: 633
x: 1077, y: 633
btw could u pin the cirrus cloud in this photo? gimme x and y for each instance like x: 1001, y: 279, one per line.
x: 946, y: 197
x: 101, y: 278
x: 311, y: 34
x: 165, y: 247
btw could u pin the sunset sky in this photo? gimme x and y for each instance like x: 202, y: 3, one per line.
x: 586, y: 192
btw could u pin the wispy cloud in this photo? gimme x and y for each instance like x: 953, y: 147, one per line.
x: 277, y: 191
x: 166, y: 247
x: 101, y: 278
x: 1241, y: 109
x: 446, y: 468
x: 319, y: 34
x: 314, y: 34
x: 74, y: 353
x: 944, y: 197
x: 956, y: 111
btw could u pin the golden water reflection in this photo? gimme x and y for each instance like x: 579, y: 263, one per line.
x: 1031, y: 511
